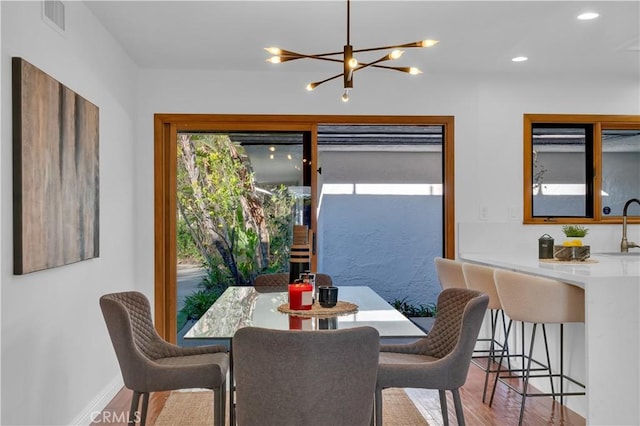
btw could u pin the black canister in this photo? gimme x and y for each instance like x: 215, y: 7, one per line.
x: 299, y: 261
x: 545, y: 247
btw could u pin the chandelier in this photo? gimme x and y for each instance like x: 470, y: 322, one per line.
x: 350, y: 64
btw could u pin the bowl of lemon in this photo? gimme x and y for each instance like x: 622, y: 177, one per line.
x: 572, y: 247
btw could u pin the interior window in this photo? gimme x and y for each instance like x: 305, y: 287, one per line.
x: 580, y: 168
x: 561, y: 180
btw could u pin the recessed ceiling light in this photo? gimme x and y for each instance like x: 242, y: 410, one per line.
x: 587, y: 16
x: 519, y: 59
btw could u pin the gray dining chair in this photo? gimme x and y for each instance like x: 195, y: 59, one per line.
x: 151, y: 364
x: 441, y: 359
x: 272, y: 280
x: 282, y: 279
x: 311, y: 378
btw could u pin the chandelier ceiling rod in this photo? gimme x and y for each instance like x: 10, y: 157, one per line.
x: 349, y: 63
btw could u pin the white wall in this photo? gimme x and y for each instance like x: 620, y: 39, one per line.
x: 57, y: 360
x: 488, y: 112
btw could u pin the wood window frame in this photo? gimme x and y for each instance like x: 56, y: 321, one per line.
x: 599, y: 122
x: 166, y: 128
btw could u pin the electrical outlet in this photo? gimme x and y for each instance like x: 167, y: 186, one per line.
x: 483, y: 214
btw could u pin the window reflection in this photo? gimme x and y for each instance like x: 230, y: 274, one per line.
x: 559, y: 175
x: 620, y: 169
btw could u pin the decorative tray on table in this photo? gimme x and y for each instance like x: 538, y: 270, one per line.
x: 341, y: 308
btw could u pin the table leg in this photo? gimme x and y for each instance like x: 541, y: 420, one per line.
x: 232, y: 388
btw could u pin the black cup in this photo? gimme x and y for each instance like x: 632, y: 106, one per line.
x: 330, y: 323
x: 327, y: 296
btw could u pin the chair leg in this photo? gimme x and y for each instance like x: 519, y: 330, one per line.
x: 504, y: 330
x: 219, y: 403
x: 546, y: 348
x: 372, y: 421
x: 527, y: 372
x: 561, y: 363
x: 145, y: 405
x: 495, y: 381
x: 457, y: 402
x: 135, y: 401
x: 492, y: 353
x: 378, y: 406
x: 443, y: 407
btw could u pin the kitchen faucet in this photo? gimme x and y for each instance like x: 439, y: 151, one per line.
x: 624, y: 244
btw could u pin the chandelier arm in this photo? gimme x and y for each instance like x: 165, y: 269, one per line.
x: 388, y: 67
x: 363, y: 65
x: 302, y: 55
x: 371, y: 49
x: 326, y: 79
x: 286, y: 58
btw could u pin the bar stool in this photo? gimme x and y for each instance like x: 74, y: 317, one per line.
x: 538, y: 301
x: 449, y: 273
x: 480, y: 278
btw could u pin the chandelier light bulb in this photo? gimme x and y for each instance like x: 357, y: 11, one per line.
x: 428, y: 43
x: 414, y: 71
x: 273, y: 50
x: 310, y: 87
x: 345, y: 95
x: 396, y: 54
x: 353, y: 63
x: 274, y: 60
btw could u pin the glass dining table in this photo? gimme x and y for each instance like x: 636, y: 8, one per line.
x: 240, y: 307
x: 258, y: 307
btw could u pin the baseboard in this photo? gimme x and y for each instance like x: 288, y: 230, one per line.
x: 88, y: 415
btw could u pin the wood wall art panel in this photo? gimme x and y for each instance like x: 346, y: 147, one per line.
x: 55, y: 172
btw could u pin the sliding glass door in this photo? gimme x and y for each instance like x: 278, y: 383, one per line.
x: 230, y: 187
x: 380, y: 208
x: 239, y: 194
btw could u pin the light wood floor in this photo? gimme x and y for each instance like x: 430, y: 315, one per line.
x: 505, y: 409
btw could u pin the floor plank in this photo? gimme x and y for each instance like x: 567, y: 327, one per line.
x: 505, y: 409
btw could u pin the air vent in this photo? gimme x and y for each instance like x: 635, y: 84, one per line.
x: 53, y: 14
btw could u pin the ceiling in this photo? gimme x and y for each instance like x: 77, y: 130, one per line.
x: 475, y: 36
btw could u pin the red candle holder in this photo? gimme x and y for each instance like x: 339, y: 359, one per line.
x: 300, y: 297
x: 300, y: 323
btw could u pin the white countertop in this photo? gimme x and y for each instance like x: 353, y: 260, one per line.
x: 603, y: 266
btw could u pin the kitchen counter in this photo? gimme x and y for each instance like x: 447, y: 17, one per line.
x: 612, y: 326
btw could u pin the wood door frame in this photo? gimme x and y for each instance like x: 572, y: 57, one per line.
x: 166, y: 128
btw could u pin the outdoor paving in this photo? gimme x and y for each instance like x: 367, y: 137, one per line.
x: 188, y: 282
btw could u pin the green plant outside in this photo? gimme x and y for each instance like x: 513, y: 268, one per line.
x: 231, y: 250
x: 410, y: 310
x: 185, y: 246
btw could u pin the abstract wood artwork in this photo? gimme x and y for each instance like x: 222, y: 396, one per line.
x: 55, y: 172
